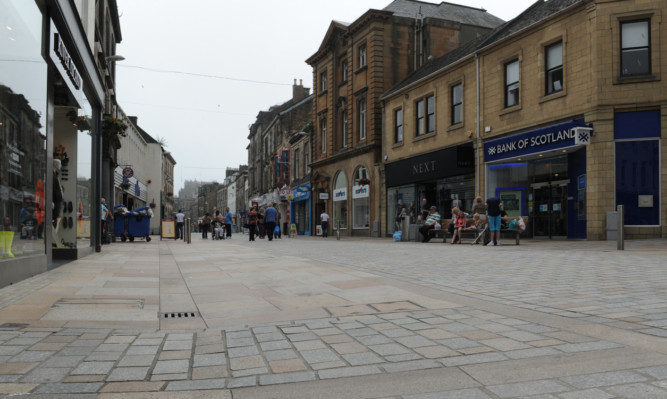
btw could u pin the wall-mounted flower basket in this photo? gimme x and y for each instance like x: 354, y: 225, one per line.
x: 152, y: 205
x: 364, y: 182
x: 149, y: 181
x: 125, y: 186
x: 170, y: 194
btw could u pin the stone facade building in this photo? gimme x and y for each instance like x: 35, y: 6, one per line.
x: 354, y: 66
x: 559, y: 112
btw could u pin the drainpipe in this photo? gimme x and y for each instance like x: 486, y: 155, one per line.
x: 477, y: 138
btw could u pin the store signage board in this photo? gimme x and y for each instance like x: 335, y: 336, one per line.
x: 340, y: 194
x: 64, y: 63
x: 360, y: 192
x: 561, y: 135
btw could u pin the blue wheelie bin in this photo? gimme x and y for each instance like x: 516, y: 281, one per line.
x: 120, y: 222
x: 139, y: 223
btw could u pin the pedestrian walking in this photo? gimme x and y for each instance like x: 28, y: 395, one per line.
x: 228, y: 223
x: 252, y: 224
x: 324, y: 221
x: 106, y: 216
x: 261, y: 226
x: 205, y: 226
x: 270, y: 214
x: 180, y: 223
x: 277, y: 233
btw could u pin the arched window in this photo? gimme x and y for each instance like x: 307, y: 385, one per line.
x: 340, y: 201
x: 360, y: 199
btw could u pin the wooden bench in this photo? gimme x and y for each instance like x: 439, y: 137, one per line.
x: 443, y: 231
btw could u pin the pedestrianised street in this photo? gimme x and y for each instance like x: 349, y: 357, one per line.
x: 309, y: 317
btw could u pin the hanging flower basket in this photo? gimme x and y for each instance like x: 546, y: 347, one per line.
x: 83, y: 123
x: 112, y: 127
x: 152, y: 205
x: 364, y: 182
x: 125, y: 186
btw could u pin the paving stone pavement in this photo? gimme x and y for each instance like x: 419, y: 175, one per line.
x: 558, y: 320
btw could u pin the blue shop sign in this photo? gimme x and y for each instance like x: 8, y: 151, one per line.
x: 302, y: 193
x: 554, y: 137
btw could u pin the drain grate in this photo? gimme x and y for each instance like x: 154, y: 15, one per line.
x: 178, y: 315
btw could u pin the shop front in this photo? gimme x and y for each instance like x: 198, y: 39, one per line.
x: 542, y: 174
x: 445, y: 178
x: 50, y: 103
x: 300, y: 209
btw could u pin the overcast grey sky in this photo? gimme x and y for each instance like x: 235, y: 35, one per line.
x: 218, y: 51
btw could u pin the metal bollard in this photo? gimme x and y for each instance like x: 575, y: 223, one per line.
x: 620, y: 238
x: 187, y: 230
x: 338, y: 230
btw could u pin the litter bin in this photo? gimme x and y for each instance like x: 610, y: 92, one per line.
x: 139, y: 223
x: 120, y: 222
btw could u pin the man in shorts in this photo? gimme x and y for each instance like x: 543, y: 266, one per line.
x: 493, y: 207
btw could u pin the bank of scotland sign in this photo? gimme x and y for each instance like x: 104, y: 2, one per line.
x: 561, y: 135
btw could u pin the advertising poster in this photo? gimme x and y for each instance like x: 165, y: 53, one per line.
x: 168, y: 229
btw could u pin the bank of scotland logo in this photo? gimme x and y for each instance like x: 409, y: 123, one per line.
x: 492, y: 150
x: 582, y: 135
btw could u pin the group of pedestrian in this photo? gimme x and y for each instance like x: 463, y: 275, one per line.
x: 492, y: 208
x: 266, y: 223
x: 220, y: 226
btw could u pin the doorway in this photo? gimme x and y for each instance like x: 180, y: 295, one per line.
x: 549, y: 211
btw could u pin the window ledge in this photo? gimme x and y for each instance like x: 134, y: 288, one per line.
x: 424, y: 136
x: 636, y: 79
x: 511, y: 109
x: 398, y: 145
x: 323, y: 92
x: 455, y: 127
x: 553, y: 96
x: 361, y: 69
x: 342, y: 83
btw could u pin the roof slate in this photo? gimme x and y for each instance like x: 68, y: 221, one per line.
x: 537, y: 12
x: 447, y: 11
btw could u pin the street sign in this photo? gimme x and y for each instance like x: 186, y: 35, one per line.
x: 128, y: 172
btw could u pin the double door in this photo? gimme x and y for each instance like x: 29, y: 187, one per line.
x: 549, y: 214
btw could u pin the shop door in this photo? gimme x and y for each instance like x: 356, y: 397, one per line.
x: 549, y: 215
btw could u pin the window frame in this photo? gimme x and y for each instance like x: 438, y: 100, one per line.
x: 323, y: 134
x: 508, y: 85
x: 296, y: 163
x: 363, y: 118
x: 398, y: 126
x: 344, y: 70
x: 323, y: 81
x: 456, y: 105
x: 344, y: 130
x: 647, y: 47
x: 549, y: 72
x: 425, y: 123
x: 363, y: 60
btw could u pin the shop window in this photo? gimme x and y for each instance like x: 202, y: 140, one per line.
x: 554, y: 68
x: 457, y: 104
x: 398, y: 126
x: 297, y: 164
x: 425, y: 118
x: 512, y: 83
x: 306, y: 157
x: 362, y: 119
x: 635, y: 48
x: 340, y: 201
x: 23, y: 132
x: 360, y: 199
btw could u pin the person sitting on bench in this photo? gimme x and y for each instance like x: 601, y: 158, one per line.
x: 459, y: 225
x: 432, y: 220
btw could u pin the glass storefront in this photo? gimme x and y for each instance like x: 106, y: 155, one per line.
x: 23, y: 89
x: 339, y: 217
x: 360, y: 199
x: 537, y: 188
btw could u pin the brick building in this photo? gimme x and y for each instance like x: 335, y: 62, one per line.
x: 354, y: 66
x: 559, y: 112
